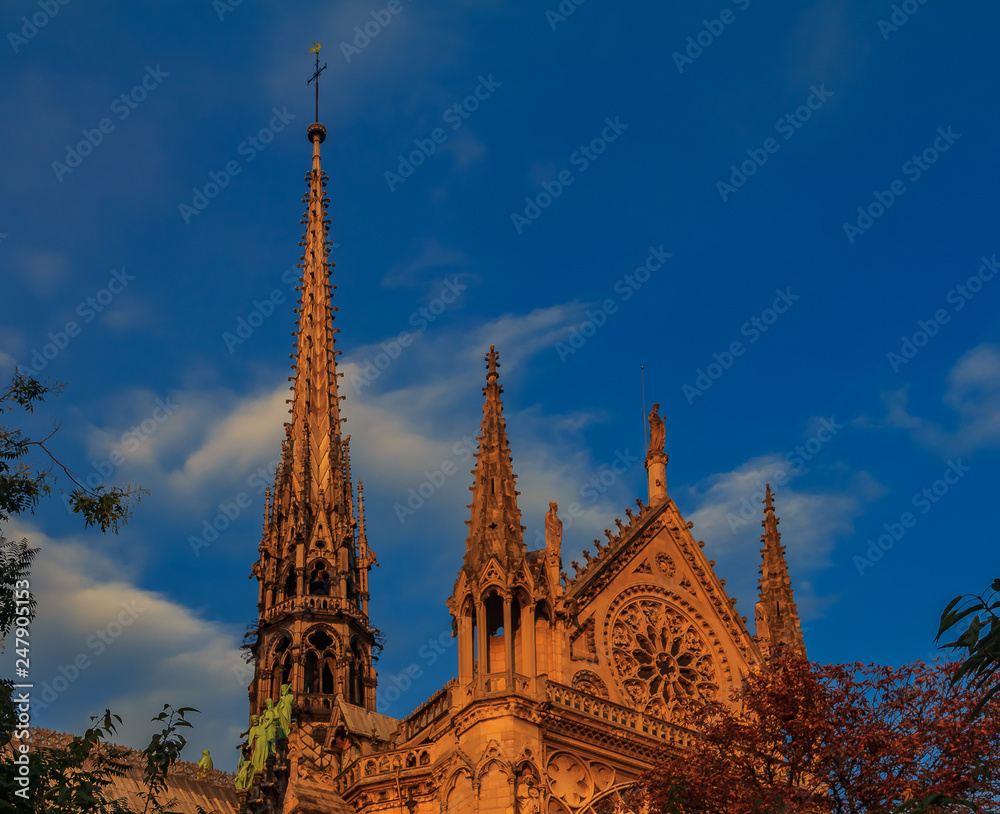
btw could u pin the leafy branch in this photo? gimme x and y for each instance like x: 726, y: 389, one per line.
x: 981, y: 639
x: 22, y: 486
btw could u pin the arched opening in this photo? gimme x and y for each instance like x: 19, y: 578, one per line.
x: 319, y: 579
x: 320, y: 664
x: 493, y: 607
x: 312, y: 672
x: 289, y: 587
x: 543, y: 628
x: 355, y: 675
x: 518, y: 657
x: 326, y: 682
x: 281, y: 666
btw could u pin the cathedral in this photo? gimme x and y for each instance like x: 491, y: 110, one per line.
x: 566, y: 685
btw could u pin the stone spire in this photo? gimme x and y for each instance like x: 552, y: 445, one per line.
x: 495, y: 524
x: 313, y: 632
x: 777, y: 616
x: 314, y: 432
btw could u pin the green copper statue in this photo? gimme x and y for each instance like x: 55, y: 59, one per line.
x: 205, y: 764
x: 258, y: 743
x: 269, y: 721
x: 285, y: 711
x: 244, y: 774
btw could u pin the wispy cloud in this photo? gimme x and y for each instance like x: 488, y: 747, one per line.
x: 972, y: 398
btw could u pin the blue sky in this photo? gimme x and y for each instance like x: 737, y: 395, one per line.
x: 786, y: 216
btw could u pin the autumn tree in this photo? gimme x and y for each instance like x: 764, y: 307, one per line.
x: 836, y: 739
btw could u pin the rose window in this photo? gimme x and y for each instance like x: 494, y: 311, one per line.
x: 660, y: 659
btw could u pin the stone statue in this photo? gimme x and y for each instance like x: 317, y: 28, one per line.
x: 528, y: 798
x: 657, y: 432
x: 205, y: 764
x: 285, y: 702
x: 762, y: 631
x: 244, y: 774
x: 258, y: 745
x: 553, y: 528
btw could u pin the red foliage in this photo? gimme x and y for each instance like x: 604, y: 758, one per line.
x: 843, y: 739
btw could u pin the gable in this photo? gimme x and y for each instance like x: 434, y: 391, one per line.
x: 654, y: 627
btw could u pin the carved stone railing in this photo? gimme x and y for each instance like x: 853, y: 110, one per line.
x: 433, y: 708
x: 569, y: 698
x: 371, y: 766
x: 315, y: 701
x: 497, y: 682
x: 327, y: 603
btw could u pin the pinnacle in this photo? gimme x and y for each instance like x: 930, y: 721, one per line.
x: 495, y: 519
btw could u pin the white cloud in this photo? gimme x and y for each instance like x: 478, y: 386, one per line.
x: 972, y: 396
x: 44, y: 272
x: 101, y: 642
x: 729, y: 511
x: 427, y: 263
x: 238, y: 441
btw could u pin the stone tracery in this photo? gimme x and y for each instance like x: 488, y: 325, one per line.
x: 659, y: 659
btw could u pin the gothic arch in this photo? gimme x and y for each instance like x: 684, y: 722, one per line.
x: 279, y: 662
x: 621, y: 798
x: 288, y: 584
x: 318, y: 579
x: 322, y: 649
x: 493, y: 756
x: 590, y: 682
x: 356, y: 673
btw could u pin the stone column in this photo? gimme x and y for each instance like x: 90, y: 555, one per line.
x: 508, y: 643
x: 482, y: 643
x: 656, y: 476
x: 528, y: 639
x: 466, y: 655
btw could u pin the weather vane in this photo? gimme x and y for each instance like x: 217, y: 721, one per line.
x: 315, y: 50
